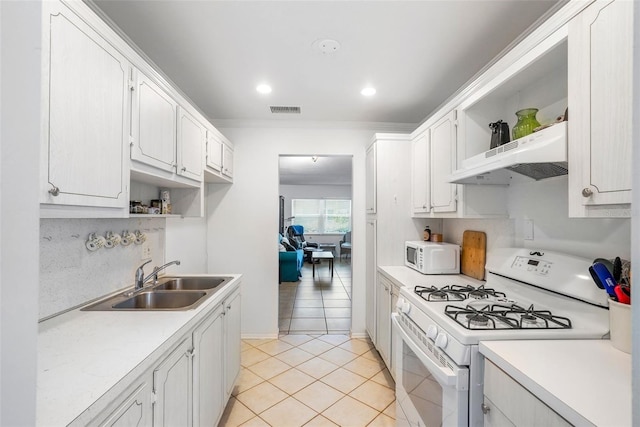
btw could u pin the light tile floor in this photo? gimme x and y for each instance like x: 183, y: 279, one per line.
x: 311, y: 380
x: 317, y: 304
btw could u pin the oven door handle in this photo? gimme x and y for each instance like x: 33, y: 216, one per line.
x: 456, y: 377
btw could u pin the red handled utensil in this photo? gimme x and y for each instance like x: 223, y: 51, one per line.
x: 622, y: 294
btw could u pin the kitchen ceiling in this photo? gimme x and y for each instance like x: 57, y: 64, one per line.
x: 416, y: 54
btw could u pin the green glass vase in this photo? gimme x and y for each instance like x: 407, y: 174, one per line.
x: 527, y: 122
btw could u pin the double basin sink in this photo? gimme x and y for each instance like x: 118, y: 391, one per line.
x: 170, y: 294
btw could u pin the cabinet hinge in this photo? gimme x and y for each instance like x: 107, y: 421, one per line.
x: 132, y: 87
x: 131, y: 141
x: 154, y: 397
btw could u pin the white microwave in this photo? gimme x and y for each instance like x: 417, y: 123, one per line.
x: 432, y: 257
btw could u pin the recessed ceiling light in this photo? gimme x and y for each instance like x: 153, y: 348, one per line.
x: 263, y: 88
x: 368, y: 91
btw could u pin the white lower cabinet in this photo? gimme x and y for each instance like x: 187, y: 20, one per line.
x: 191, y: 383
x: 507, y: 403
x: 208, y: 399
x: 135, y: 410
x: 386, y: 298
x: 232, y: 342
x: 383, y: 314
x: 172, y: 381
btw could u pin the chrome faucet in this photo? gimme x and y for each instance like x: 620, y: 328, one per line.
x: 141, y: 280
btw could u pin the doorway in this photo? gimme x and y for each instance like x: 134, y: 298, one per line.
x: 315, y: 216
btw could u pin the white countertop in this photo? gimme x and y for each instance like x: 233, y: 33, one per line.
x: 585, y: 381
x: 82, y: 355
x: 407, y: 277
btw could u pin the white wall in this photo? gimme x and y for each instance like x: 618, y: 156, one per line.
x: 71, y: 275
x: 545, y: 202
x: 20, y: 32
x: 243, y: 218
x: 186, y: 240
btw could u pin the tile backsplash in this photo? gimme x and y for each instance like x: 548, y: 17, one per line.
x: 71, y: 275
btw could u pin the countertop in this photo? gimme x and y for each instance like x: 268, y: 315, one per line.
x: 84, y: 355
x: 585, y: 381
x: 408, y: 277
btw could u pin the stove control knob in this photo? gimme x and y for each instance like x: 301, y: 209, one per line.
x: 403, y: 306
x: 441, y: 341
x: 432, y: 332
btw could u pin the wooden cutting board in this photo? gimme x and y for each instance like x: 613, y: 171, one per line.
x: 474, y: 254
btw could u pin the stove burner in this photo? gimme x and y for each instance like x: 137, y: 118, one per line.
x: 528, y: 319
x: 500, y: 316
x: 478, y: 319
x: 445, y: 293
x: 483, y: 293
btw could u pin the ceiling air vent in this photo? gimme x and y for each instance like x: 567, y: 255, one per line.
x: 284, y: 110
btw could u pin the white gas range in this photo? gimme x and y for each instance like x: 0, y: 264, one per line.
x: 439, y: 323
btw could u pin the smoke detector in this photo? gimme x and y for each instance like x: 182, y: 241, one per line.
x: 327, y: 46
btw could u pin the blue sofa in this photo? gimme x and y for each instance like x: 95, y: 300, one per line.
x: 290, y: 265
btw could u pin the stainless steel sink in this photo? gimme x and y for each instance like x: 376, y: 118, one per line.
x: 160, y: 300
x: 192, y: 283
x: 171, y: 294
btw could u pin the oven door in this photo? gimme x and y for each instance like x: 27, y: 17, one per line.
x: 431, y: 390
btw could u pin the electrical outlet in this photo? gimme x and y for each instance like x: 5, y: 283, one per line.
x: 146, y: 251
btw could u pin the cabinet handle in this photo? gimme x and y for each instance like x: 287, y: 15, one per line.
x: 184, y: 169
x: 586, y: 192
x: 485, y: 409
x: 54, y: 191
x: 229, y: 307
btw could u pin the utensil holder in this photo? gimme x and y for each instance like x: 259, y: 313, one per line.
x: 620, y: 325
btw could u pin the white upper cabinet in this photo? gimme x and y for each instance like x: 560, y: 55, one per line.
x: 153, y: 125
x: 214, y: 152
x: 192, y: 138
x: 600, y: 110
x: 370, y: 170
x: 420, y: 172
x: 219, y: 159
x: 227, y: 161
x: 85, y: 119
x: 443, y: 158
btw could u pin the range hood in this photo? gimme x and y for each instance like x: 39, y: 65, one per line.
x: 540, y: 155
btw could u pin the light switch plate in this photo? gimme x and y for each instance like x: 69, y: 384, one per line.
x: 528, y: 229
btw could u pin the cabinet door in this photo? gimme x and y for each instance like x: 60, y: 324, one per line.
x: 370, y: 290
x: 208, y: 399
x: 192, y: 137
x: 135, y: 410
x: 172, y: 387
x: 154, y: 125
x: 383, y: 313
x: 600, y: 105
x: 85, y: 113
x: 214, y: 152
x: 370, y: 194
x: 232, y: 342
x: 443, y: 156
x: 227, y: 161
x: 515, y: 404
x: 420, y: 170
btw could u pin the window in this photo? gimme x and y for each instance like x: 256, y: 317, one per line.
x: 322, y: 216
